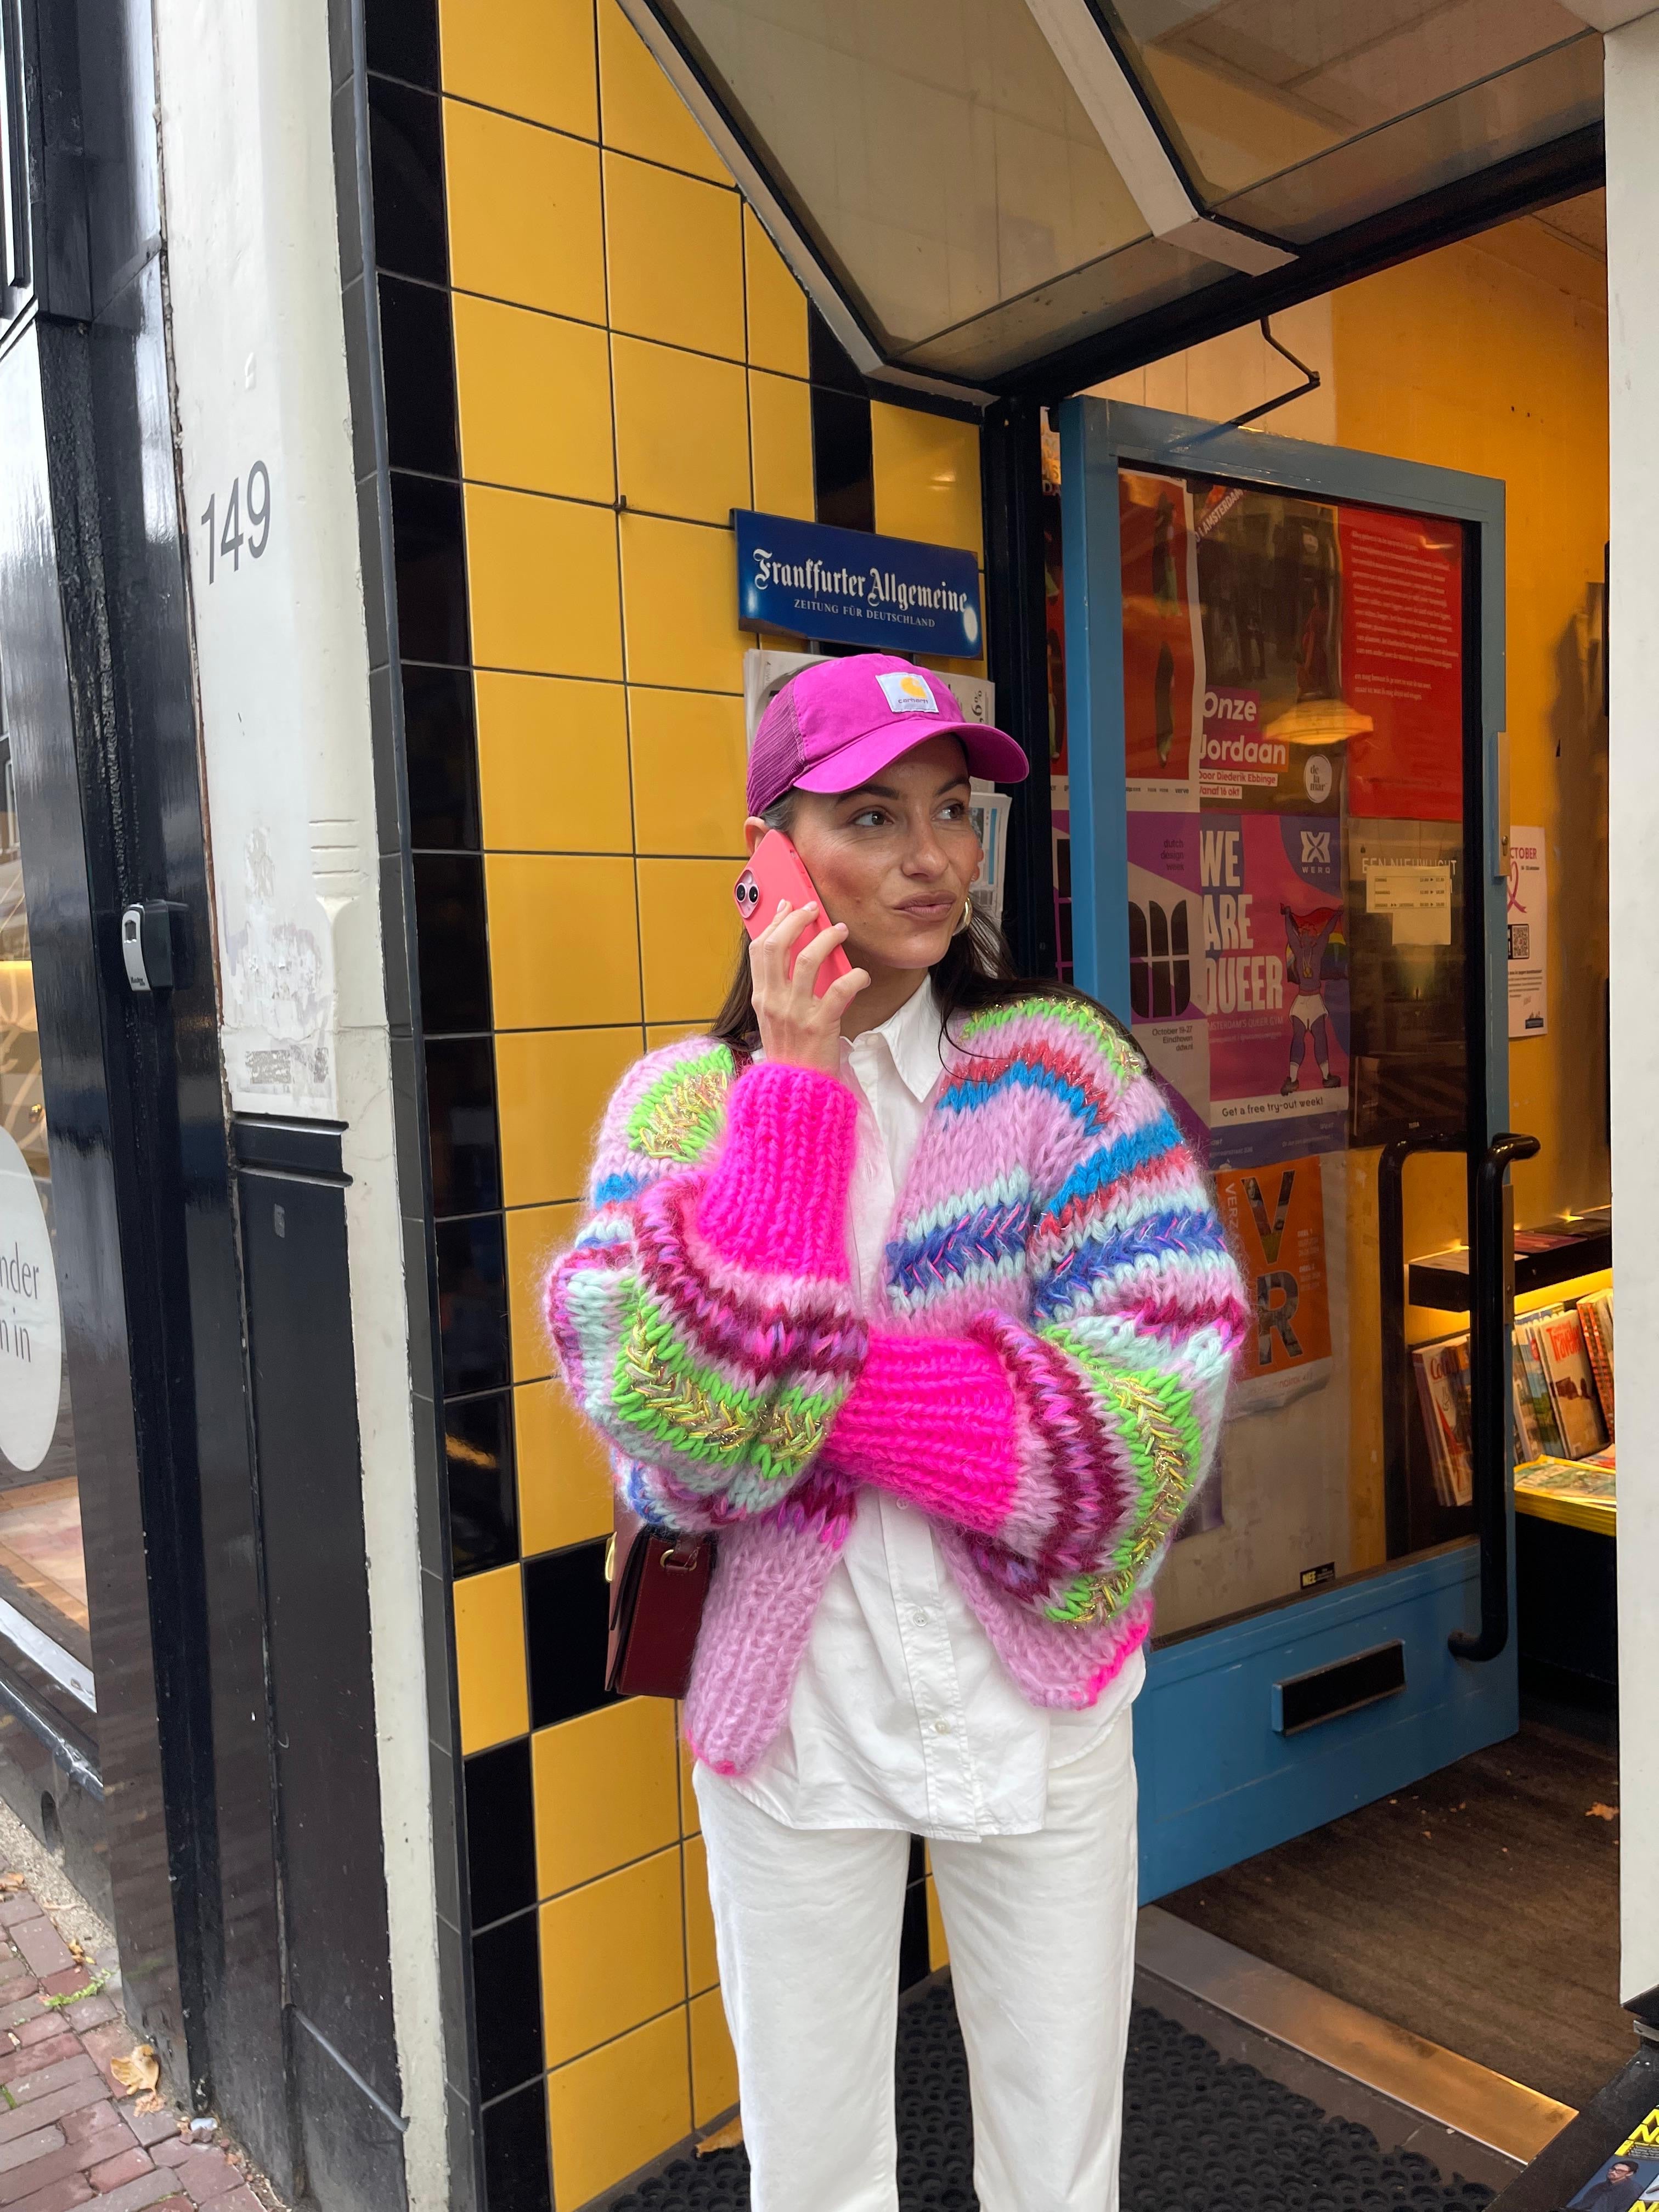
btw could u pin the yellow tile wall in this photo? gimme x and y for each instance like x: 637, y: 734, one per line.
x: 631, y: 363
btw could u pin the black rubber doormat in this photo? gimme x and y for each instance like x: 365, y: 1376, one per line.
x: 1199, y: 2135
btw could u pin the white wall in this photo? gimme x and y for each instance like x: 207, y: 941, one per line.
x: 1632, y: 157
x: 257, y: 348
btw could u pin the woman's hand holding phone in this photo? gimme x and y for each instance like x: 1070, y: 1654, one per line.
x: 797, y: 1028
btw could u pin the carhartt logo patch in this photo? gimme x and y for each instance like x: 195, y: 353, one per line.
x: 908, y: 694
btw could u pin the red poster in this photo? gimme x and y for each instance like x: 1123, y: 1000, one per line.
x: 1162, y: 694
x: 1402, y: 663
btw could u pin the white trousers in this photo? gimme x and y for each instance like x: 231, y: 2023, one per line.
x: 1042, y: 1935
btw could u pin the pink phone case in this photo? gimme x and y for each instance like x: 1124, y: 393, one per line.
x: 775, y: 872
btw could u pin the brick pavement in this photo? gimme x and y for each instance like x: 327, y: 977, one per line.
x: 68, y: 2133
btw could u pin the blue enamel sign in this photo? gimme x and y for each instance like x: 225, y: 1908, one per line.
x: 889, y: 594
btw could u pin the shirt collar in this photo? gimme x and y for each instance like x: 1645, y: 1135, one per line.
x: 912, y: 1038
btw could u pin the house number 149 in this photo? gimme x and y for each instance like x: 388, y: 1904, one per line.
x: 254, y: 505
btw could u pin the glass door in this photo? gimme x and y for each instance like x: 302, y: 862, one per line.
x: 44, y: 1628
x: 1281, y: 878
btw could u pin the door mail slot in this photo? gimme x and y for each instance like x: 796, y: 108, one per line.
x: 1325, y: 1693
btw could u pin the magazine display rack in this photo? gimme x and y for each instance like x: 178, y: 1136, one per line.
x: 1562, y: 1373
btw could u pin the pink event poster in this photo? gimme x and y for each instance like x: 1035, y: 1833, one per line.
x: 1239, y: 965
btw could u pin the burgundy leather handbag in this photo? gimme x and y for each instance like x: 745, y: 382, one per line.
x: 658, y: 1585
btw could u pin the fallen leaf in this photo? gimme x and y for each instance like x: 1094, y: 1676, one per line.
x: 151, y: 2103
x: 1428, y: 1834
x: 79, y: 1953
x: 139, y: 2069
x: 1602, y: 1812
x: 11, y: 1881
x: 725, y: 2138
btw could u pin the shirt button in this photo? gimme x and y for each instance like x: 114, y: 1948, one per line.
x: 920, y: 1618
x: 941, y: 1728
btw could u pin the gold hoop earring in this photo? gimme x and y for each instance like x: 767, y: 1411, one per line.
x: 967, y: 918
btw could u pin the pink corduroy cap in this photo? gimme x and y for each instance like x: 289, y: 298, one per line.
x: 840, y: 722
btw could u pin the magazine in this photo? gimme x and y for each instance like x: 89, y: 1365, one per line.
x: 1596, y: 1319
x: 1443, y: 1391
x: 1573, y: 1388
x: 1567, y: 1478
x: 1546, y: 1427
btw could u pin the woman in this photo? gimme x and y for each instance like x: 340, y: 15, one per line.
x: 913, y: 1293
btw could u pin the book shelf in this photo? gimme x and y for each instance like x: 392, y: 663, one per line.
x: 1570, y: 1250
x: 1559, y: 1252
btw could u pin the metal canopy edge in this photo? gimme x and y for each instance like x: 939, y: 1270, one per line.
x: 1114, y: 103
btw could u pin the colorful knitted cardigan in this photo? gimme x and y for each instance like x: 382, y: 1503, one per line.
x: 1046, y: 1378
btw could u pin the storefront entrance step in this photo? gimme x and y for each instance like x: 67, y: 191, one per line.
x: 1201, y: 2131
x: 1455, y: 2093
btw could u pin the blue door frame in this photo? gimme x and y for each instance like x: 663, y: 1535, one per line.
x: 1217, y: 1781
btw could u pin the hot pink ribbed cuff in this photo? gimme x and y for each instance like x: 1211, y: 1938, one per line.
x: 932, y: 1419
x: 776, y: 1201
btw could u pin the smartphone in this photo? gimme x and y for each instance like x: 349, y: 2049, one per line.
x: 776, y: 871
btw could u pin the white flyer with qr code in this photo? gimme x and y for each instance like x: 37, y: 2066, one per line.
x: 1528, y: 934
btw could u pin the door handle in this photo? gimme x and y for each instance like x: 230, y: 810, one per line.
x: 1489, y: 1381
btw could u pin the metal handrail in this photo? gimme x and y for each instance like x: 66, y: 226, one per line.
x: 1489, y: 1384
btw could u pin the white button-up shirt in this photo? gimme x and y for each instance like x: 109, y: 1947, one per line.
x: 903, y: 1717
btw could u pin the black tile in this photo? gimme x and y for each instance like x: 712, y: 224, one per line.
x: 500, y: 1833
x: 406, y: 171
x: 360, y: 395
x: 483, y: 1509
x: 427, y: 1424
x: 370, y: 548
x: 339, y: 42
x: 421, y: 1283
x: 342, y: 125
x: 418, y: 357
x: 441, y: 752
x: 508, y: 2000
x: 828, y: 361
x: 427, y: 551
x: 844, y: 478
x: 516, y: 2177
x: 913, y: 1938
x: 472, y: 1304
x: 395, y: 868
x: 446, y: 1832
x: 438, y: 1641
x: 383, y: 740
x: 461, y: 1095
x: 452, y: 944
x: 462, y: 2131
x: 565, y: 1596
x: 402, y: 39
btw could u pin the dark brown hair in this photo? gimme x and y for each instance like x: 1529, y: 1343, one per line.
x: 975, y: 970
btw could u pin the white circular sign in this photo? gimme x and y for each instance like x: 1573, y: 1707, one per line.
x: 1316, y: 775
x: 31, y: 1323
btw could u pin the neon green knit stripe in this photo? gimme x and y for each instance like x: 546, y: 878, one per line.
x: 693, y: 1412
x: 1154, y: 1419
x: 1084, y: 1021
x: 678, y: 1116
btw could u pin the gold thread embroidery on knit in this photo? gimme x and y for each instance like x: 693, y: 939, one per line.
x: 1095, y: 1597
x: 679, y: 1119
x: 779, y: 1437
